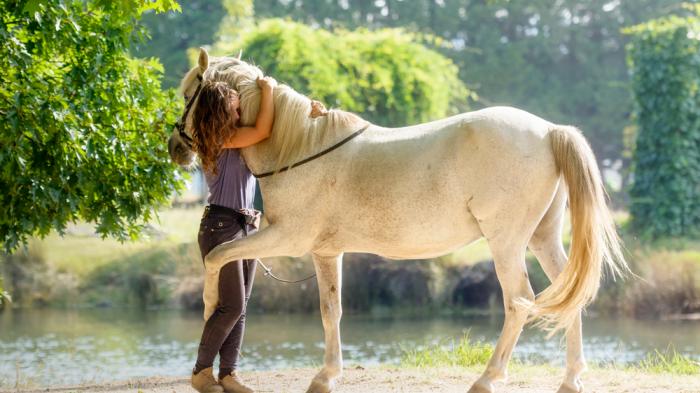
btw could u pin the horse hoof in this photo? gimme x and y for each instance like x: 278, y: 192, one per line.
x: 318, y: 387
x: 568, y: 389
x: 479, y: 389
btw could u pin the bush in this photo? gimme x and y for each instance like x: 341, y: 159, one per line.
x: 33, y: 282
x: 384, y: 75
x: 149, y: 278
x: 665, y: 59
x: 5, y: 297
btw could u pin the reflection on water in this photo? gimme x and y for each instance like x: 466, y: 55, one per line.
x: 60, y: 347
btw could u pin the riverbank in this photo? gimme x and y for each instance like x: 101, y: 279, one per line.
x: 523, y: 379
x: 48, y: 347
x: 79, y: 270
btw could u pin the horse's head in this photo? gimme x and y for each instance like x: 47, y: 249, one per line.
x: 180, y: 142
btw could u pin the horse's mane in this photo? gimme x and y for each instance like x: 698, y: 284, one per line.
x: 294, y: 133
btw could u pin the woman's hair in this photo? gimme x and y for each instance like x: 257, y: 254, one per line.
x: 214, y: 121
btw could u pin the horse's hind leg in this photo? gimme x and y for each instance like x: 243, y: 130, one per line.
x: 546, y: 244
x: 328, y: 273
x: 512, y: 274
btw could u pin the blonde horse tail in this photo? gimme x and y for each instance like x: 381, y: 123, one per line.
x: 594, y: 240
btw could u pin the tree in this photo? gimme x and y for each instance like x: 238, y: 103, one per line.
x: 384, y: 75
x: 562, y: 60
x: 83, y: 128
x: 172, y: 33
x: 665, y: 60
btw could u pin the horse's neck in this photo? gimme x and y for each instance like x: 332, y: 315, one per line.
x: 263, y: 157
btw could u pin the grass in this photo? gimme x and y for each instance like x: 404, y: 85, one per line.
x: 667, y: 282
x: 668, y: 362
x: 467, y: 353
x: 479, y: 251
x: 464, y: 353
x: 80, y: 251
x: 146, y: 278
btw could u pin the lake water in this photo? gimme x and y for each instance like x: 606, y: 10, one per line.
x: 64, y: 347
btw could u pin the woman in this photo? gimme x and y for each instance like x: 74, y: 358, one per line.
x: 229, y: 216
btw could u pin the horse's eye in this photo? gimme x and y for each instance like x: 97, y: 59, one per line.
x: 186, y: 99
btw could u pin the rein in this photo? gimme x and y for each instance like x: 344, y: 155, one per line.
x: 317, y: 155
x: 268, y: 273
x: 180, y: 126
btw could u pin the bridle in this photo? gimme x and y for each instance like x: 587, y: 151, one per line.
x: 180, y: 125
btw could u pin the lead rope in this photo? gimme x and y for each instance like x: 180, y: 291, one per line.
x: 268, y: 273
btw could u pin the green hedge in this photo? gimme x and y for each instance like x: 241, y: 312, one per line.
x: 665, y: 60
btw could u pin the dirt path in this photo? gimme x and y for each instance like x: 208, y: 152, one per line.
x: 444, y: 380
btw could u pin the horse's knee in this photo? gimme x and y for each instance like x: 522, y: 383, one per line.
x: 331, y: 309
x: 518, y: 299
x: 577, y: 366
x: 518, y: 306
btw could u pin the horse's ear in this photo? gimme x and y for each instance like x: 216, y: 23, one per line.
x: 203, y: 59
x: 240, y: 52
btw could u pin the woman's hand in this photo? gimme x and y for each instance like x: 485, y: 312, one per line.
x: 266, y: 83
x: 317, y: 109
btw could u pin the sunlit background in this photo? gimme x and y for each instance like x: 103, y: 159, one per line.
x: 87, y: 309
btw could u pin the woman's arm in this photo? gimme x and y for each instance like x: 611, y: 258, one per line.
x: 248, y: 136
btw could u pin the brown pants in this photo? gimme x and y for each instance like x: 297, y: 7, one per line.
x: 223, y: 331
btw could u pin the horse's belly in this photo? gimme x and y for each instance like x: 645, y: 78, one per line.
x: 418, y: 248
x: 415, y: 234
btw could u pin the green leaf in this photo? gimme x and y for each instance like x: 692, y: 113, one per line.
x: 31, y: 7
x: 75, y: 105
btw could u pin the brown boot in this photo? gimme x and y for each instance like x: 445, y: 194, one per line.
x: 204, y: 382
x: 232, y: 384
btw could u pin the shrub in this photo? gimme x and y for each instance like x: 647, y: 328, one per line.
x: 384, y: 75
x: 664, y: 56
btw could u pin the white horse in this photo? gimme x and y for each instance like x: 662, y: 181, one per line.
x: 421, y: 192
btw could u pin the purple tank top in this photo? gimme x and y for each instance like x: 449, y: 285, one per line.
x: 233, y: 186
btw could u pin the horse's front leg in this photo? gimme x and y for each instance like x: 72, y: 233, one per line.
x: 329, y: 276
x: 275, y: 240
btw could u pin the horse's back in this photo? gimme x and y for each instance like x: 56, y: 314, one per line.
x: 417, y: 190
x: 466, y: 150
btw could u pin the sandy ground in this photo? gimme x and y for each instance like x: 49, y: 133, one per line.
x: 447, y: 380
